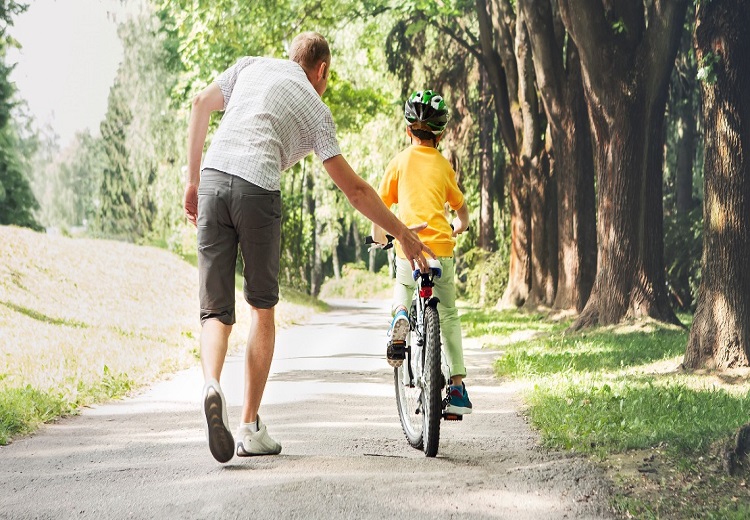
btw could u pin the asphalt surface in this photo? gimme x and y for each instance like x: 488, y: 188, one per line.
x: 330, y: 403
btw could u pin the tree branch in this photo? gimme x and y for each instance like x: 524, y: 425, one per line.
x: 462, y: 42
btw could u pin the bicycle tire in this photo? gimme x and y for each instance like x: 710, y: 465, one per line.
x: 409, y: 393
x: 432, y: 377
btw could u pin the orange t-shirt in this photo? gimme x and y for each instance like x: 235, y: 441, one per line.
x: 420, y: 180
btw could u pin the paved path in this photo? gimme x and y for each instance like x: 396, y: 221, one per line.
x: 330, y: 403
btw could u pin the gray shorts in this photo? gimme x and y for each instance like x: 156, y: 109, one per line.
x: 232, y: 211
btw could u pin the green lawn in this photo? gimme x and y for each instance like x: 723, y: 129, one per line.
x: 618, y: 394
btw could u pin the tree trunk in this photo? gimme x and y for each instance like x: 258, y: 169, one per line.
x: 486, y: 165
x: 576, y: 218
x: 543, y: 219
x: 316, y: 272
x: 311, y: 203
x: 372, y: 259
x: 560, y: 84
x: 519, y: 276
x: 625, y: 82
x: 720, y: 336
x: 358, y: 242
x: 335, y: 261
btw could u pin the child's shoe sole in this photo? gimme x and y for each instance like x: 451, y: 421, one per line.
x: 457, y: 410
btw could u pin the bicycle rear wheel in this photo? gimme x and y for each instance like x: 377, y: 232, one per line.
x: 407, y: 380
x: 432, y: 377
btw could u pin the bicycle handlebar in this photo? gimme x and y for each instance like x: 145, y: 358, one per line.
x: 369, y: 240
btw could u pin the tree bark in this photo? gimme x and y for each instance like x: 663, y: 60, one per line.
x: 720, y: 336
x: 627, y: 50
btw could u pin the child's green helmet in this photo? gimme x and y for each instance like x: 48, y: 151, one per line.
x: 426, y: 110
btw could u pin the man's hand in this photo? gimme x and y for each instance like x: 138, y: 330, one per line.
x: 413, y: 248
x: 191, y: 203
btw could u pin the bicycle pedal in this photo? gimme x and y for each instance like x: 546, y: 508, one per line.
x: 396, y: 353
x: 453, y: 417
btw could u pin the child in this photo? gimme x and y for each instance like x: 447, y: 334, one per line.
x: 421, y: 181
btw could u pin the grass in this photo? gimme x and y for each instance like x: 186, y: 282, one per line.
x: 31, y: 313
x: 618, y: 395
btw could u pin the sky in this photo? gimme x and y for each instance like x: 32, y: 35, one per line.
x: 69, y: 57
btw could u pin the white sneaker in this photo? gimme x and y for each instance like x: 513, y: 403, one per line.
x: 256, y: 443
x: 220, y: 440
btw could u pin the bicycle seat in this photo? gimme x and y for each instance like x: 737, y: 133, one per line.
x: 435, y: 267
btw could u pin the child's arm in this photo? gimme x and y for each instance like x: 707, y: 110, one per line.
x: 461, y: 222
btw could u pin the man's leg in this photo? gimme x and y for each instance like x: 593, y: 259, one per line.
x: 258, y: 357
x: 214, y: 344
x: 214, y: 341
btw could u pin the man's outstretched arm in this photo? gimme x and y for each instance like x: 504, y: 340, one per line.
x: 365, y: 200
x: 209, y: 100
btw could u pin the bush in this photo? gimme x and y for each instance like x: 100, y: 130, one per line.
x: 358, y: 283
x: 483, y: 276
x: 683, y: 247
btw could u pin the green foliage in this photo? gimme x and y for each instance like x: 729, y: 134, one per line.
x: 67, y: 182
x: 213, y: 35
x: 115, y: 216
x: 358, y: 283
x: 126, y: 183
x: 683, y: 245
x: 707, y: 69
x: 619, y: 27
x: 17, y: 202
x: 485, y: 276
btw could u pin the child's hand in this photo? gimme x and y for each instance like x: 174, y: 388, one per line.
x: 459, y: 226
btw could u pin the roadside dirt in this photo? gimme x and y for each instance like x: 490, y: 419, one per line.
x: 330, y: 403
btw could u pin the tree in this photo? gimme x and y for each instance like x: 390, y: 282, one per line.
x: 627, y: 50
x: 17, y: 201
x: 720, y: 335
x: 116, y: 214
x: 558, y: 73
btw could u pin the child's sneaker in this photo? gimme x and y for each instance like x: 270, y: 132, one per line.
x: 396, y: 351
x: 458, y: 400
x: 220, y: 440
x: 256, y: 443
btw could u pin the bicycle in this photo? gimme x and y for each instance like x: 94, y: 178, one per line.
x: 422, y: 379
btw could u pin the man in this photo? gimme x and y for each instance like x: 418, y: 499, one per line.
x: 273, y: 117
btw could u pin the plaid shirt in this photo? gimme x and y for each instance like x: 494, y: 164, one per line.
x: 273, y: 118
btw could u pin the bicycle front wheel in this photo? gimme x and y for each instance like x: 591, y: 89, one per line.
x: 432, y: 400
x: 408, y: 382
